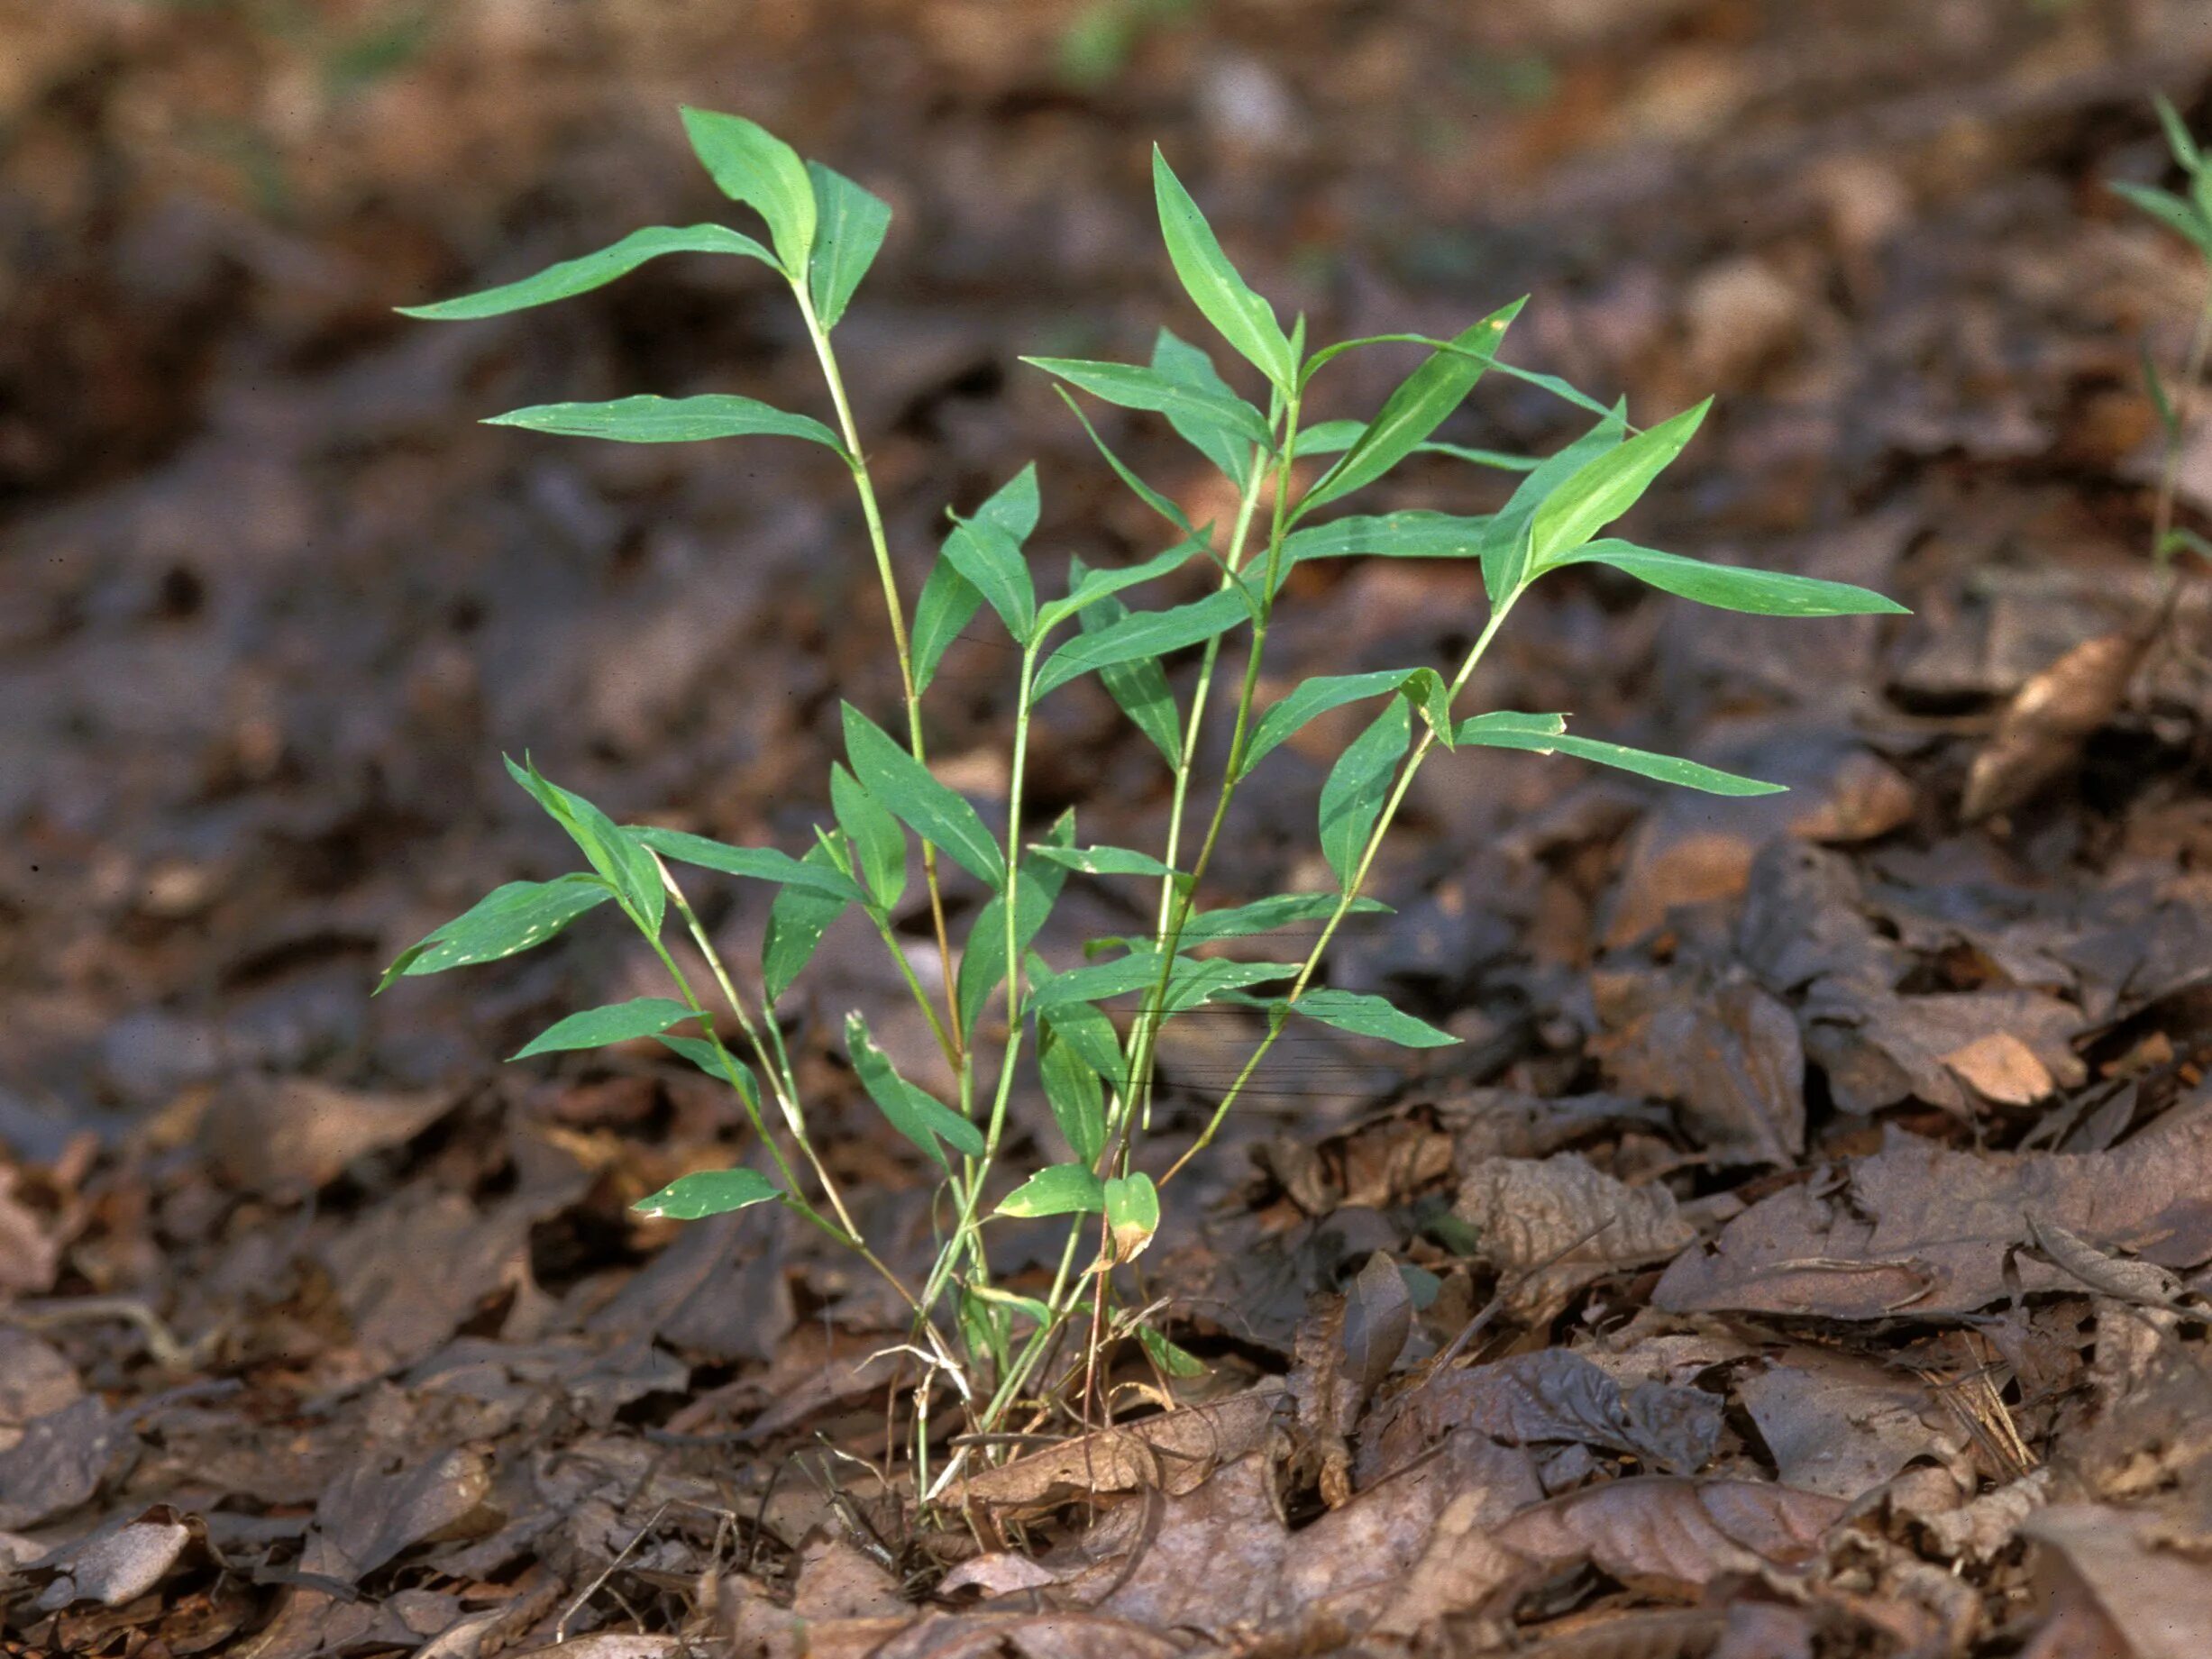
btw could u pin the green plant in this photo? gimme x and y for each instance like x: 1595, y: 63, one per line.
x: 2189, y: 216
x: 1096, y: 1073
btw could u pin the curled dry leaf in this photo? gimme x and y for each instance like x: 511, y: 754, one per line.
x: 1564, y: 1224
x: 1174, y: 1452
x: 2048, y: 722
x: 1669, y: 1535
x: 115, y: 1564
x: 1842, y: 1426
x: 2157, y: 1600
x: 1922, y: 1227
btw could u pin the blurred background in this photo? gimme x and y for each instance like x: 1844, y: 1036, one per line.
x: 271, y: 602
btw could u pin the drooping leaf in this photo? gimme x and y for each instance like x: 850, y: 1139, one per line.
x: 1179, y: 359
x: 2183, y: 218
x: 1411, y: 535
x: 1267, y: 915
x: 711, y: 1192
x: 1733, y: 588
x: 1058, y: 1189
x: 717, y: 1062
x: 1175, y: 1360
x: 1414, y: 410
x: 929, y: 807
x: 878, y: 843
x: 1139, y: 636
x: 1353, y: 795
x: 508, y: 919
x: 1132, y: 1213
x: 1370, y: 1016
x: 1507, y: 538
x: 983, y: 960
x: 1095, y: 982
x: 1085, y: 1029
x: 755, y: 863
x: 948, y: 603
x: 618, y: 1022
x: 750, y: 164
x: 1134, y: 388
x: 847, y: 237
x: 916, y: 1113
x: 1139, y: 687
x: 1093, y: 585
x: 1496, y: 459
x: 1245, y: 319
x: 1664, y: 767
x: 1427, y: 691
x: 992, y: 561
x: 2178, y: 136
x: 797, y: 920
x: 625, y: 866
x: 1311, y: 699
x: 1136, y: 486
x: 1326, y: 438
x: 1075, y: 1094
x: 669, y: 420
x: 1198, y: 980
x: 1601, y: 489
x: 593, y: 270
x: 1105, y: 861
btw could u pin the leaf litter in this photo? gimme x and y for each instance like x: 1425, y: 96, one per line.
x: 1804, y: 1253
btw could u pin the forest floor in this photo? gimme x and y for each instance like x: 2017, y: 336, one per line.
x: 1830, y: 1173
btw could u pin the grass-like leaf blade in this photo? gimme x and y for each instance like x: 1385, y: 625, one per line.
x: 916, y: 1113
x: 991, y: 562
x: 618, y: 1022
x: 755, y: 863
x: 1245, y: 319
x: 711, y: 1192
x: 646, y: 419
x: 1493, y: 732
x: 1133, y: 386
x: 1370, y: 1016
x: 1506, y: 539
x: 621, y: 862
x: 1141, y: 635
x: 929, y: 808
x: 2183, y: 218
x: 1179, y: 359
x: 1139, y: 687
x: 752, y: 165
x: 508, y: 919
x: 1353, y: 794
x: 797, y: 920
x: 1733, y: 587
x: 847, y: 236
x: 1058, y: 1189
x: 593, y: 270
x: 1599, y: 491
x: 878, y: 842
x: 1311, y: 699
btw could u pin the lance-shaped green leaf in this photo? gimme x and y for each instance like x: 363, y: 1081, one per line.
x: 1352, y: 796
x: 878, y: 843
x: 646, y: 419
x: 1058, y: 1189
x: 1600, y: 490
x: 914, y: 1112
x: 1495, y: 732
x: 717, y: 1062
x: 755, y: 863
x: 2183, y: 218
x: 593, y: 270
x: 797, y: 921
x: 1136, y: 486
x: 1414, y: 410
x: 1506, y: 540
x: 992, y: 561
x: 1074, y: 1092
x: 1733, y: 588
x: 1105, y: 861
x: 1139, y: 636
x: 506, y: 920
x: 928, y: 807
x: 1132, y: 1214
x: 1134, y: 388
x: 1091, y: 586
x: 1411, y: 535
x: 1311, y: 699
x: 1370, y: 1016
x: 619, y: 1022
x: 621, y: 862
x: 1197, y: 980
x: 1326, y: 438
x: 847, y: 240
x: 711, y: 1192
x: 1497, y: 461
x: 750, y: 164
x: 983, y: 960
x: 1139, y: 687
x: 949, y: 601
x: 1267, y: 915
x: 1095, y: 982
x: 1180, y: 360
x: 1245, y: 319
x: 1086, y: 1028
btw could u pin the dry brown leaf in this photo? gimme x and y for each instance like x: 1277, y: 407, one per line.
x: 1563, y: 1223
x: 1922, y: 1227
x: 1671, y: 1536
x: 1730, y: 1054
x: 2158, y: 1601
x: 1174, y: 1452
x: 285, y: 1137
x: 1844, y: 1426
x: 2048, y: 722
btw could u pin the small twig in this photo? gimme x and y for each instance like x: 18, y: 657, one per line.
x: 561, y: 1628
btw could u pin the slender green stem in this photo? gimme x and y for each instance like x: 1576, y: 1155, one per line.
x: 2170, y: 469
x: 1351, y: 887
x: 863, y: 484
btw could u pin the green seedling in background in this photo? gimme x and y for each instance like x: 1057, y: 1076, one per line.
x: 1088, y: 1028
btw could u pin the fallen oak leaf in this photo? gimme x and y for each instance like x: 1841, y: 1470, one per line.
x: 1174, y: 1452
x: 2049, y: 720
